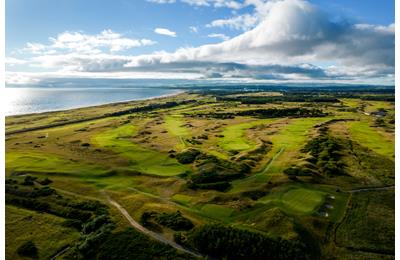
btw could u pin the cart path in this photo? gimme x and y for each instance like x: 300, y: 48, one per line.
x: 147, y: 232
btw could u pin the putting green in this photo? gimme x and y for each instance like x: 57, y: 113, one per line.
x: 142, y: 159
x: 303, y: 200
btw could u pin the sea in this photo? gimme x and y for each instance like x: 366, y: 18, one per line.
x: 35, y: 100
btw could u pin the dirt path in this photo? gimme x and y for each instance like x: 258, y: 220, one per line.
x: 371, y: 189
x: 147, y: 232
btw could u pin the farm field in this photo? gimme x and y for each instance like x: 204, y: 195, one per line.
x: 161, y: 174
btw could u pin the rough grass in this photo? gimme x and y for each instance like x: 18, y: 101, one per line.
x: 142, y: 159
x: 44, y: 230
x: 216, y: 211
x: 235, y: 139
x: 368, y: 136
x: 181, y: 198
x: 35, y: 162
x: 285, y: 149
x: 369, y: 224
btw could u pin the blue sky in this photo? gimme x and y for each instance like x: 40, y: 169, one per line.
x: 227, y: 40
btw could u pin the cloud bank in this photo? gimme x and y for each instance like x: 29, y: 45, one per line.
x: 292, y: 40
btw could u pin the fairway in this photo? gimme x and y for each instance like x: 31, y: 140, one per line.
x: 235, y: 139
x: 303, y: 200
x: 174, y: 125
x: 216, y: 211
x: 367, y: 136
x: 142, y: 159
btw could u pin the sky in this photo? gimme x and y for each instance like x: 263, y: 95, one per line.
x: 272, y: 41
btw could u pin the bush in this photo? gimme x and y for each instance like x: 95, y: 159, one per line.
x: 28, y: 249
x: 187, y: 156
x: 174, y: 221
x: 46, y: 181
x: 29, y: 180
x: 225, y: 242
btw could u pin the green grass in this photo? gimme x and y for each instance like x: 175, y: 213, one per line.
x: 142, y: 159
x: 36, y: 162
x: 286, y: 145
x: 303, y: 200
x: 295, y: 200
x: 44, y: 230
x: 361, y: 132
x: 235, y: 139
x: 216, y: 211
x: 174, y: 125
x: 370, y: 222
x: 182, y: 199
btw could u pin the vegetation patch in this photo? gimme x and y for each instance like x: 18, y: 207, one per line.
x: 174, y: 221
x: 234, y: 243
x: 144, y: 160
x: 217, y: 211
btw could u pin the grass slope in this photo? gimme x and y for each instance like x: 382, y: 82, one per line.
x: 361, y: 132
x: 44, y: 230
x: 142, y: 159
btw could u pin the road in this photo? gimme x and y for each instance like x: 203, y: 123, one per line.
x: 147, y: 232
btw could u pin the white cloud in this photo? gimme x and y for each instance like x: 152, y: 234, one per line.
x: 291, y: 37
x: 215, y: 3
x: 85, y: 43
x: 241, y: 22
x: 164, y: 31
x: 162, y: 1
x: 11, y: 61
x: 219, y: 36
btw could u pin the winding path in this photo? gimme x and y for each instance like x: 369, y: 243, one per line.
x: 147, y: 232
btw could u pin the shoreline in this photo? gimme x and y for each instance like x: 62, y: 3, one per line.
x: 179, y: 92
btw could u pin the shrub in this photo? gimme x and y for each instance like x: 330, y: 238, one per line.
x: 187, y: 156
x: 28, y: 249
x: 174, y: 221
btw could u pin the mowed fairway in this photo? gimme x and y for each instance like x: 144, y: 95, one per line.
x: 142, y: 159
x: 235, y: 139
x: 303, y: 200
x: 296, y: 200
x: 174, y: 125
x: 367, y: 136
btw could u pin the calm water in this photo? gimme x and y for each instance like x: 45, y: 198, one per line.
x: 33, y: 100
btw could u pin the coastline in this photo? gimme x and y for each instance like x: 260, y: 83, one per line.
x: 39, y: 121
x: 121, y: 102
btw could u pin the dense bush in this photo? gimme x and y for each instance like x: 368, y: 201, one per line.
x: 187, y: 156
x: 45, y: 181
x: 325, y: 151
x: 130, y: 244
x: 225, y: 242
x: 28, y: 249
x: 29, y: 180
x: 174, y: 221
x: 96, y: 223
